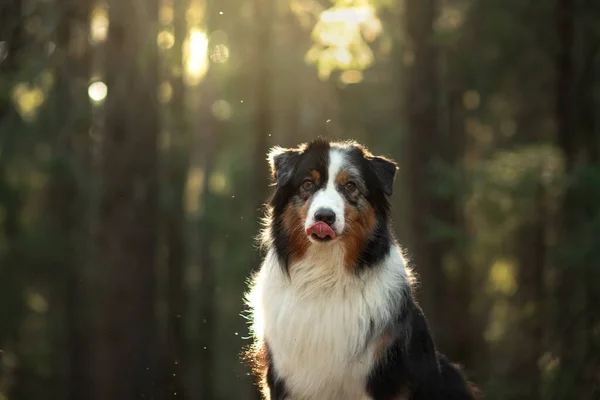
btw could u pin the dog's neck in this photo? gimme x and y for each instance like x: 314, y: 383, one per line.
x: 320, y: 270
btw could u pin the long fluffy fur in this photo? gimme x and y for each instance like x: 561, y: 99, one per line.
x: 338, y: 320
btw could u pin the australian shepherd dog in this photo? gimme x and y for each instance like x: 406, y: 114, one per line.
x: 333, y: 315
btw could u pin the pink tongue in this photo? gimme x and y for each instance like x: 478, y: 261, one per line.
x: 321, y: 229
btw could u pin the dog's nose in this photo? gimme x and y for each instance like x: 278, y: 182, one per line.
x: 325, y: 215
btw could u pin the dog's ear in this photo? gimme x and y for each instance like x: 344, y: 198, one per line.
x: 385, y: 170
x: 283, y: 164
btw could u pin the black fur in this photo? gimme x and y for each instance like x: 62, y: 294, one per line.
x: 412, y: 365
x: 276, y: 385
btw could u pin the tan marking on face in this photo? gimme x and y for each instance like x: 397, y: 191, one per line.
x: 293, y: 222
x: 360, y: 224
x: 342, y: 178
x: 316, y: 175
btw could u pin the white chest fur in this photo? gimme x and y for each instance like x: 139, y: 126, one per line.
x: 317, y: 322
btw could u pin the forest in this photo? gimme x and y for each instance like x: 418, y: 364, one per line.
x: 133, y: 174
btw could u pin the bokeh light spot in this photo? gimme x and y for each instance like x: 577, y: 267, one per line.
x: 351, y: 76
x: 97, y: 91
x: 220, y: 54
x: 165, y: 15
x: 471, y: 100
x: 221, y: 109
x: 195, y: 54
x: 99, y: 25
x: 165, y: 40
x: 165, y: 92
x: 27, y: 100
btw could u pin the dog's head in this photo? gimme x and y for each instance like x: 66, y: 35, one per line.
x: 328, y: 192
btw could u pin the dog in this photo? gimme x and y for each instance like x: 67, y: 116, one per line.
x: 332, y: 310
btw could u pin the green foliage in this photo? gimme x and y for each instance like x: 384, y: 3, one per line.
x: 337, y: 69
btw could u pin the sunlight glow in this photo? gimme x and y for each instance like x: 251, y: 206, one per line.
x: 165, y: 40
x: 37, y: 302
x: 165, y: 15
x: 195, y: 14
x: 341, y: 37
x: 471, y: 100
x: 450, y: 18
x: 352, y: 76
x: 99, y: 25
x: 27, y: 100
x: 220, y: 53
x: 165, y: 92
x: 221, y: 109
x: 97, y: 91
x: 193, y: 189
x: 502, y: 277
x: 196, y: 57
x: 219, y: 184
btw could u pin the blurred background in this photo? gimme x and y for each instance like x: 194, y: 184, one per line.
x: 133, y: 137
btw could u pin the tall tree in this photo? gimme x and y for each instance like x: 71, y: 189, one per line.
x: 12, y: 43
x: 66, y: 197
x: 124, y: 363
x: 423, y: 130
x: 206, y: 148
x: 568, y: 141
x: 262, y: 79
x: 576, y: 79
x: 176, y: 164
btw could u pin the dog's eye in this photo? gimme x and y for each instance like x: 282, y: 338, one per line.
x: 307, y: 184
x: 350, y: 186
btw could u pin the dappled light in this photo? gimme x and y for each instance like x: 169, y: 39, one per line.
x: 196, y: 57
x: 135, y: 184
x: 195, y: 180
x: 28, y: 99
x: 165, y: 40
x: 341, y: 39
x: 99, y: 25
x: 221, y: 109
x: 502, y: 278
x: 165, y: 92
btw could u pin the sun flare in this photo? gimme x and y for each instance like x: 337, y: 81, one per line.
x: 196, y: 57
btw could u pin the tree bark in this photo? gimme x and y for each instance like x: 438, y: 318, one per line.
x: 67, y: 196
x: 263, y: 119
x: 12, y: 33
x: 177, y: 163
x: 530, y: 246
x: 208, y: 314
x: 569, y: 316
x: 125, y: 361
x: 423, y: 130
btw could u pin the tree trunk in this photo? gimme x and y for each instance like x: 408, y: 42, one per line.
x: 422, y: 109
x: 461, y: 325
x: 66, y: 194
x: 176, y: 168
x: 263, y: 120
x: 568, y: 317
x: 208, y: 314
x: 530, y: 252
x: 125, y: 361
x: 12, y: 33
